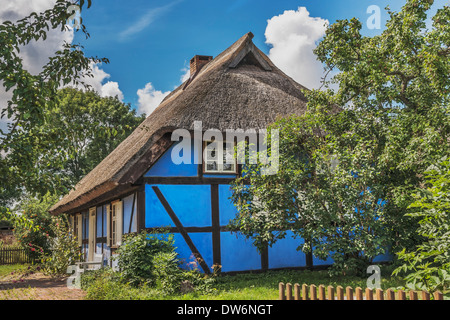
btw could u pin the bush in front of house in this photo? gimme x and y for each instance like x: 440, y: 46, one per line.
x: 151, y: 260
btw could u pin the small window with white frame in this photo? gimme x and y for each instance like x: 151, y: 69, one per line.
x: 218, y: 157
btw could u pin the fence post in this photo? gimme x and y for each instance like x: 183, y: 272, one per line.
x: 438, y: 295
x: 340, y: 293
x: 425, y: 295
x: 313, y: 291
x: 330, y: 293
x: 297, y: 291
x: 401, y: 295
x: 380, y: 294
x: 359, y: 293
x: 282, y: 295
x: 349, y: 292
x: 369, y: 294
x: 305, y: 292
x: 288, y: 291
x: 390, y: 294
x: 412, y: 295
x: 322, y: 292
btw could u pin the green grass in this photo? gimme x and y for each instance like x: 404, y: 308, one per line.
x: 7, y: 269
x: 249, y: 286
x: 264, y: 286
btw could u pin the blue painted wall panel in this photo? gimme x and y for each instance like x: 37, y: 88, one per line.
x: 284, y: 253
x: 191, y: 204
x: 99, y: 222
x: 165, y: 167
x: 155, y: 214
x: 226, y: 208
x: 127, y: 209
x: 105, y: 212
x: 319, y: 262
x: 203, y: 243
x: 237, y: 253
x: 384, y: 257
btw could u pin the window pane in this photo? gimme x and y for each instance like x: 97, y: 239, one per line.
x: 211, y: 166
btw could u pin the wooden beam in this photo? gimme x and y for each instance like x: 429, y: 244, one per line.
x: 132, y: 212
x: 215, y: 219
x: 181, y: 229
x: 188, y: 180
x: 146, y: 160
x: 250, y: 48
x: 140, y: 209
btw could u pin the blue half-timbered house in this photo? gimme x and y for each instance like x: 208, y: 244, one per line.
x: 139, y: 186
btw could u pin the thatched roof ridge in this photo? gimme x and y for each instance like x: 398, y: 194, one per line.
x: 239, y: 89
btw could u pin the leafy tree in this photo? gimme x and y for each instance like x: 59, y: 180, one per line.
x: 387, y: 122
x: 399, y: 79
x: 428, y: 265
x: 33, y: 95
x: 84, y: 128
x: 33, y: 225
x: 334, y: 204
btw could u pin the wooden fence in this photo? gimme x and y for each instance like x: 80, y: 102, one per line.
x: 14, y: 256
x: 312, y: 292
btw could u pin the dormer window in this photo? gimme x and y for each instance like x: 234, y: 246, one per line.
x: 218, y: 157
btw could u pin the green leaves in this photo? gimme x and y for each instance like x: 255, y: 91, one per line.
x: 24, y: 146
x: 387, y: 122
x: 428, y: 264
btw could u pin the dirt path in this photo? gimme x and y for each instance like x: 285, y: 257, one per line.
x: 37, y: 287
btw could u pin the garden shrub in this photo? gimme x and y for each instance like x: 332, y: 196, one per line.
x: 151, y: 260
x: 64, y: 247
x: 137, y: 253
x: 427, y: 267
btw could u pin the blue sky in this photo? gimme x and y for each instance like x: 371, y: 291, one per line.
x: 149, y: 43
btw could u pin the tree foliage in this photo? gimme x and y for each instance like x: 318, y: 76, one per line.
x: 428, y: 265
x: 84, y: 129
x: 350, y: 167
x: 22, y: 145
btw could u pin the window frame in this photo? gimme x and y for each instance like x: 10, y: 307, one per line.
x: 219, y: 160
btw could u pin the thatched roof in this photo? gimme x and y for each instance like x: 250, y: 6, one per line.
x: 239, y: 89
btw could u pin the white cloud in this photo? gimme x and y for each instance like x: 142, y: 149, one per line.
x: 293, y: 36
x: 35, y: 54
x: 111, y: 89
x: 186, y: 74
x: 149, y: 98
x: 145, y: 20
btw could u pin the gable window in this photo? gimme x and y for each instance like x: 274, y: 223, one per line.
x: 218, y: 157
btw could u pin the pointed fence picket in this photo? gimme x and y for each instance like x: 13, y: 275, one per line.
x: 313, y: 292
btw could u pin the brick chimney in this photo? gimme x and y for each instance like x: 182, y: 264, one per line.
x: 198, y: 62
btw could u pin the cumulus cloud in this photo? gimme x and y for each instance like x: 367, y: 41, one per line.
x: 35, y: 54
x: 111, y: 89
x: 149, y: 98
x: 293, y: 36
x: 99, y: 76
